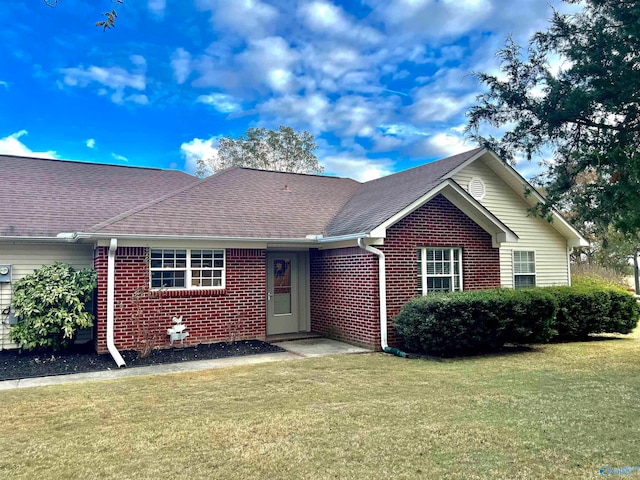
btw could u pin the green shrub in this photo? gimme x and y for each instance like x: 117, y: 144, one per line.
x: 593, y: 306
x: 475, y: 322
x: 465, y: 323
x: 50, y: 306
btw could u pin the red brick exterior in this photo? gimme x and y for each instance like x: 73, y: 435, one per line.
x: 439, y: 223
x: 344, y: 295
x: 344, y: 300
x: 344, y: 282
x: 211, y: 315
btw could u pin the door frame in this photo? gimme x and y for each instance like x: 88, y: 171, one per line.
x: 299, y: 292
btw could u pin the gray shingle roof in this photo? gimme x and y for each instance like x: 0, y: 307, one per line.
x: 241, y: 203
x: 378, y: 200
x: 48, y: 197
x: 42, y: 197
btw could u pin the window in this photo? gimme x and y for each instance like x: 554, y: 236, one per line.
x: 175, y: 268
x: 439, y: 270
x: 524, y: 269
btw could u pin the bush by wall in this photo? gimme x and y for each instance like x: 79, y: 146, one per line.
x: 50, y: 305
x: 464, y: 323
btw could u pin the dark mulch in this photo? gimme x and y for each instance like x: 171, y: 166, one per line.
x: 15, y: 364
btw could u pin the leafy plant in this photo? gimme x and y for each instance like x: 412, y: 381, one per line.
x: 51, y: 306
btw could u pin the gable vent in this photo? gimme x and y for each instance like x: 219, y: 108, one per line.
x: 476, y: 188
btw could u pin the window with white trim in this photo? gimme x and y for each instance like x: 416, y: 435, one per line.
x: 524, y: 269
x: 439, y: 270
x: 186, y: 268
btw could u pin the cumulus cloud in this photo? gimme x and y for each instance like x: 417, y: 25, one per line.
x: 221, y: 102
x: 246, y: 18
x: 90, y: 143
x: 113, y: 81
x: 12, y: 145
x: 197, y: 149
x: 357, y: 167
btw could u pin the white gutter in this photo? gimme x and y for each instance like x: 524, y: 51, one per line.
x: 382, y: 287
x: 111, y: 285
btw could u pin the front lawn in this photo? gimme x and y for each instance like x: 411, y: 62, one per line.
x: 559, y: 411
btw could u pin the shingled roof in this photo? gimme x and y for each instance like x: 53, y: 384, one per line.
x: 378, y: 200
x: 241, y: 203
x: 49, y: 197
x: 44, y: 197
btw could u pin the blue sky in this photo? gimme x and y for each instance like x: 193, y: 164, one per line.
x: 382, y: 84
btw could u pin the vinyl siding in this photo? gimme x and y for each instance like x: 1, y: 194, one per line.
x: 25, y: 258
x: 535, y: 234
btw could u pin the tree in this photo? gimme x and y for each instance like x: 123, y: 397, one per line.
x: 587, y: 112
x: 284, y: 150
x: 110, y: 16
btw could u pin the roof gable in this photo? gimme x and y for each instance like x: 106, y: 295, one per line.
x: 378, y: 200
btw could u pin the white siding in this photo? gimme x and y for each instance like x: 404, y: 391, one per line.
x: 535, y: 234
x: 25, y: 258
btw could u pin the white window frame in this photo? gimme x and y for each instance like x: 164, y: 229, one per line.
x: 524, y: 274
x: 423, y: 275
x: 188, y: 269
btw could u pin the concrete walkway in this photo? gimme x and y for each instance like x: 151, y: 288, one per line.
x: 295, y: 350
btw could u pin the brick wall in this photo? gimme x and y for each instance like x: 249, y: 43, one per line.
x: 210, y: 315
x: 344, y: 295
x: 344, y: 282
x: 437, y: 224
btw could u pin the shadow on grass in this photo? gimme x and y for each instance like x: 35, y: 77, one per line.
x: 507, y: 350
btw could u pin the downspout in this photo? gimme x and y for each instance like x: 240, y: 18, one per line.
x: 382, y: 289
x: 111, y: 286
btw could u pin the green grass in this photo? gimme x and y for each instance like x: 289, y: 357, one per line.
x: 559, y: 411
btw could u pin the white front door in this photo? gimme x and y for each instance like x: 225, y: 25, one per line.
x: 282, y: 293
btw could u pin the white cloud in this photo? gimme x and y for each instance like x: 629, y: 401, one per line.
x: 90, y: 143
x: 247, y: 18
x: 181, y: 65
x: 157, y: 7
x: 11, y: 145
x: 4, y: 84
x: 119, y: 158
x: 221, y: 102
x: 138, y: 98
x: 357, y: 167
x: 113, y: 80
x: 197, y: 149
x: 331, y: 20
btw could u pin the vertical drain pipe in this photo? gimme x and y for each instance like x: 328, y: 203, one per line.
x: 382, y: 289
x: 111, y: 287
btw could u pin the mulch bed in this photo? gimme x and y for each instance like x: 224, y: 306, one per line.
x: 16, y: 364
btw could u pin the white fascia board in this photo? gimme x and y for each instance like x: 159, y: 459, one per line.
x: 201, y: 238
x: 574, y: 238
x: 465, y: 202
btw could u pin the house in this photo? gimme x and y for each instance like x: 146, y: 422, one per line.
x: 249, y: 253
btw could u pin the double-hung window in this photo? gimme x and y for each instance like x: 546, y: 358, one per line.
x: 185, y: 268
x: 524, y: 269
x: 439, y: 270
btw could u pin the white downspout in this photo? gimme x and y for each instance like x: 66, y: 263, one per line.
x: 111, y: 286
x: 382, y: 289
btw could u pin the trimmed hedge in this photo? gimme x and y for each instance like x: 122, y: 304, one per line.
x: 467, y: 323
x: 464, y: 323
x: 584, y: 310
